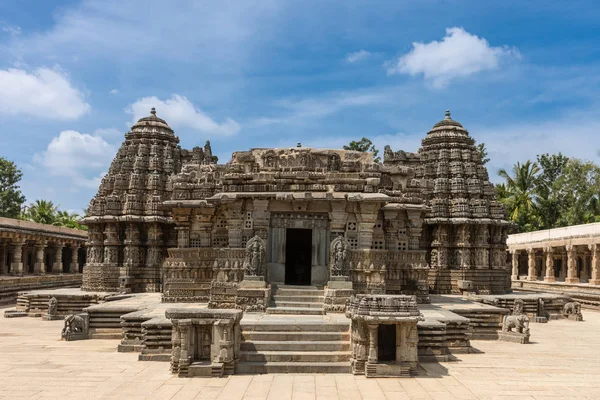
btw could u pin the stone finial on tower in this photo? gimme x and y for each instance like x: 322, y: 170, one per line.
x: 153, y: 111
x: 447, y: 115
x: 299, y: 144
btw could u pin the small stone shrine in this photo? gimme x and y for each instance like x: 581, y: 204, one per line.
x: 515, y: 327
x: 384, y: 335
x: 205, y: 342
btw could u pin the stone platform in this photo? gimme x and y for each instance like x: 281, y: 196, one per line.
x: 586, y: 294
x: 552, y: 303
x: 561, y: 363
x: 10, y: 286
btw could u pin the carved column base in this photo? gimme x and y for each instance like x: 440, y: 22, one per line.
x: 549, y: 279
x: 594, y: 282
x: 572, y: 280
x: 514, y: 277
x: 532, y: 278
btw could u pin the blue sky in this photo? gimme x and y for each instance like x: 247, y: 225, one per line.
x: 74, y: 75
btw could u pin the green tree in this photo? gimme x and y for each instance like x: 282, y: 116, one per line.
x: 69, y: 220
x: 520, y: 194
x: 549, y: 203
x: 42, y: 212
x: 482, y: 153
x: 11, y: 198
x: 364, y: 145
x: 578, y: 190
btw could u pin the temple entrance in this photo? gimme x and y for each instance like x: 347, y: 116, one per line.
x: 298, y: 255
x: 386, y: 342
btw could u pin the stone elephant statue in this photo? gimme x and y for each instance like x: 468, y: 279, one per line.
x: 519, y: 322
x: 571, y: 308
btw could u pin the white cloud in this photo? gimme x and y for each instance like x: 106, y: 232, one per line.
x: 358, y: 56
x: 298, y: 110
x: 43, y: 93
x: 12, y: 30
x: 114, y: 91
x: 178, y: 111
x: 458, y: 54
x: 77, y: 155
x: 107, y: 132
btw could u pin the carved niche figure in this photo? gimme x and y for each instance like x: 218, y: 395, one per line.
x: 52, y: 306
x: 333, y: 163
x: 339, y: 253
x: 255, y: 257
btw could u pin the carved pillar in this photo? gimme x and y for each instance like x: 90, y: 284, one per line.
x: 415, y: 226
x: 39, y: 267
x: 3, y: 259
x: 17, y: 258
x: 571, y: 264
x: 373, y: 357
x: 549, y: 265
x: 585, y: 268
x: 74, y: 266
x: 595, y: 274
x: 366, y: 224
x: 261, y: 216
x: 515, y: 264
x: 337, y: 218
x: 531, y: 267
x: 563, y: 267
x: 57, y: 265
x: 185, y: 326
x: 183, y: 236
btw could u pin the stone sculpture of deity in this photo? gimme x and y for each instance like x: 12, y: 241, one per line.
x: 52, y: 306
x: 255, y: 257
x: 339, y: 251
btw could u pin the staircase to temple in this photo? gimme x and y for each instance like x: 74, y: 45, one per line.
x: 296, y: 300
x: 295, y: 344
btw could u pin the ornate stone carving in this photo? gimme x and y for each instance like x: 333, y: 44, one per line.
x: 339, y: 256
x: 254, y: 263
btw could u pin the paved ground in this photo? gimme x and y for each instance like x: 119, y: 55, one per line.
x: 562, y: 363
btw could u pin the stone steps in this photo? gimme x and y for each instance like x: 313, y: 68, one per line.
x: 296, y: 300
x: 295, y: 336
x: 293, y: 367
x: 309, y: 327
x: 296, y: 304
x: 279, y: 345
x: 295, y: 311
x: 295, y: 356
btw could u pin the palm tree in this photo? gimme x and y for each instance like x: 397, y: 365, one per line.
x: 68, y: 220
x: 42, y: 211
x: 520, y: 190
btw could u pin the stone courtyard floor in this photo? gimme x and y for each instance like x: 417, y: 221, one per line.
x: 562, y: 362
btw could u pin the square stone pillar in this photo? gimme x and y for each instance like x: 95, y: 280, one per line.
x: 57, y: 265
x: 571, y: 265
x: 74, y: 266
x: 16, y: 265
x: 39, y: 267
x: 531, y: 270
x: 549, y: 265
x: 515, y: 264
x: 595, y: 274
x: 373, y: 356
x: 3, y: 269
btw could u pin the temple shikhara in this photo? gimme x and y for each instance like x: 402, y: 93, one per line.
x: 294, y: 260
x: 175, y: 221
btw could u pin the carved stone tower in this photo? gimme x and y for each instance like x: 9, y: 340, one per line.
x: 128, y: 231
x: 466, y: 228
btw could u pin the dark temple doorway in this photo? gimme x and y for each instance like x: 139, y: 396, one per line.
x: 298, y: 255
x: 386, y: 342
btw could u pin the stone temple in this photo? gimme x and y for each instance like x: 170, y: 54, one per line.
x: 175, y: 221
x: 294, y: 260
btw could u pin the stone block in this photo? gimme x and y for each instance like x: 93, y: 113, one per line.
x: 514, y: 337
